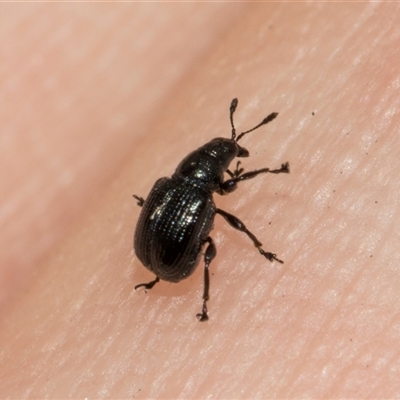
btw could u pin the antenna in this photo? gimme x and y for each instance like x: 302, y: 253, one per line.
x: 232, y: 109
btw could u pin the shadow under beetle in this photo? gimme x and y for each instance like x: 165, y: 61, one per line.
x: 178, y: 215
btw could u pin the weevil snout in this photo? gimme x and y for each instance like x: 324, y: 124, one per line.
x: 242, y: 152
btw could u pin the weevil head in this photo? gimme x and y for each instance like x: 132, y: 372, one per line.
x: 209, y: 162
x: 224, y: 150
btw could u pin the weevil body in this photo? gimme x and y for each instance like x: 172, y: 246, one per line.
x: 177, y: 216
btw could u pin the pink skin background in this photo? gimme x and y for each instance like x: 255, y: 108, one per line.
x: 100, y: 100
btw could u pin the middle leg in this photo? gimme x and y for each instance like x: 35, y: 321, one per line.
x: 240, y: 226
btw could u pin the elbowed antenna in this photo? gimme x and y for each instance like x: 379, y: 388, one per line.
x: 232, y: 109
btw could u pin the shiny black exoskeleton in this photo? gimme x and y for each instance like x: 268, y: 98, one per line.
x: 178, y: 214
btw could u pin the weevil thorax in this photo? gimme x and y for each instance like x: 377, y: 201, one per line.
x: 208, y: 163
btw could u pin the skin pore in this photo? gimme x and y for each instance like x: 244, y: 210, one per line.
x: 323, y: 324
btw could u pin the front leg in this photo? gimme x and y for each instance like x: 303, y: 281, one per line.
x: 237, y: 172
x: 231, y: 184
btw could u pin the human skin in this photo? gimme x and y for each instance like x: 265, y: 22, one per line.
x: 325, y: 323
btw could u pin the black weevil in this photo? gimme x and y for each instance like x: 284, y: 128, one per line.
x: 178, y: 215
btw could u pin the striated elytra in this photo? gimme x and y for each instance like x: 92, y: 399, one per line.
x: 178, y: 214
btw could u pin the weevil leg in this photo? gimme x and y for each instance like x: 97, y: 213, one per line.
x: 148, y: 285
x: 240, y: 226
x: 230, y: 185
x: 139, y: 199
x: 237, y: 172
x: 209, y: 255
